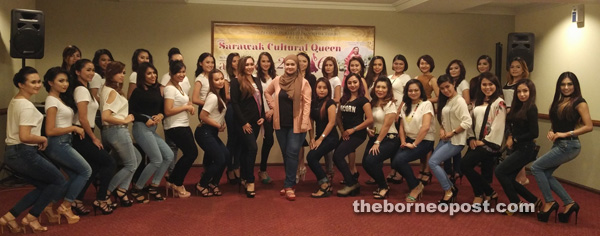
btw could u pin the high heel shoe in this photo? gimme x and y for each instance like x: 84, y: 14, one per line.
x: 102, y: 206
x: 391, y: 178
x: 349, y: 190
x: 425, y: 181
x: 322, y: 192
x: 377, y: 194
x: 478, y: 200
x: 564, y: 217
x: 50, y: 214
x: 66, y: 211
x: 202, y: 190
x: 79, y: 209
x: 301, y: 174
x: 449, y: 196
x: 456, y: 176
x: 179, y: 191
x: 139, y: 195
x: 33, y: 223
x: 492, y: 198
x: 419, y: 188
x: 215, y: 190
x: 121, y: 194
x: 290, y: 194
x: 153, y: 191
x: 9, y: 220
x: 543, y: 216
x: 264, y: 177
x: 250, y: 192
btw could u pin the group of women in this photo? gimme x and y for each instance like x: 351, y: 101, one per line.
x: 397, y: 113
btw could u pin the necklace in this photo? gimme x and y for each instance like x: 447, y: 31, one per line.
x: 412, y: 114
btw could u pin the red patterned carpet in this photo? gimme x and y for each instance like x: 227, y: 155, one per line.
x: 271, y: 214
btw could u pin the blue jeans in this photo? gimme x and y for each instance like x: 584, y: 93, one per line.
x: 79, y: 171
x: 314, y: 156
x: 444, y: 151
x: 373, y: 164
x: 157, y: 150
x: 215, y: 154
x: 36, y: 170
x: 562, y: 151
x: 290, y: 144
x: 121, y: 145
x: 401, y: 161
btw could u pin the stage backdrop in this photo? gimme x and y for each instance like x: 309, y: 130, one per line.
x: 280, y: 40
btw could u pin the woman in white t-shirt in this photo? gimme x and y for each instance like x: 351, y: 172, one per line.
x: 23, y: 141
x: 140, y: 55
x: 456, y: 70
x: 212, y: 118
x: 417, y: 135
x: 101, y: 59
x: 59, y: 108
x: 115, y: 119
x: 205, y: 64
x: 383, y: 142
x: 90, y: 147
x: 330, y: 72
x: 177, y: 128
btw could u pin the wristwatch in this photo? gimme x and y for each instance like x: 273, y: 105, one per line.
x: 377, y: 142
x: 454, y: 131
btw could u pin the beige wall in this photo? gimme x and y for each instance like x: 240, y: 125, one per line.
x: 562, y: 46
x: 8, y: 65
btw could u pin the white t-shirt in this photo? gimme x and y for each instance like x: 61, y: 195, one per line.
x: 464, y: 85
x: 185, y: 84
x: 180, y: 119
x: 133, y: 78
x: 119, y: 107
x: 21, y: 112
x: 264, y: 86
x: 335, y: 81
x: 398, y: 87
x: 81, y: 94
x: 205, y: 86
x: 379, y: 117
x: 414, y: 121
x: 64, y: 114
x: 97, y: 82
x: 211, y: 105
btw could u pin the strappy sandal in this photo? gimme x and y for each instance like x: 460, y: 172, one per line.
x: 205, y: 192
x: 322, y: 192
x: 215, y: 190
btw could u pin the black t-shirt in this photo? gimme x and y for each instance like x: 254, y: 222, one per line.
x: 525, y: 130
x: 143, y: 104
x: 321, y: 122
x: 563, y: 124
x: 286, y: 110
x: 353, y: 114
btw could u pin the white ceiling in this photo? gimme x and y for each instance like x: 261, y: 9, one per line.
x: 496, y: 7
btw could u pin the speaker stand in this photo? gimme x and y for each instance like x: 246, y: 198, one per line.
x: 23, y: 63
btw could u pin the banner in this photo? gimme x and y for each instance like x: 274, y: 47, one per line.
x: 280, y: 40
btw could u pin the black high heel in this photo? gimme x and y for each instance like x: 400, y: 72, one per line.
x: 428, y: 180
x: 153, y: 191
x: 392, y: 178
x: 103, y: 207
x: 79, y: 209
x: 322, y: 192
x: 250, y: 193
x: 122, y: 198
x: 492, y: 198
x: 377, y: 194
x: 452, y: 196
x: 355, y: 176
x: 543, y: 216
x: 456, y: 176
x: 139, y: 195
x: 205, y: 192
x: 564, y: 217
x: 215, y: 190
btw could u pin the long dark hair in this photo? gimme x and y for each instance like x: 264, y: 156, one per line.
x: 213, y: 89
x: 67, y: 96
x: 96, y: 60
x: 487, y: 58
x: 462, y: 74
x: 347, y: 93
x: 442, y: 100
x: 480, y: 97
x: 568, y: 112
x: 271, y: 71
x: 140, y: 80
x: 371, y: 74
x: 228, y: 67
x: 518, y: 110
x: 74, y: 78
x: 324, y: 100
x: 307, y: 71
x: 388, y: 97
x: 136, y: 53
x: 335, y: 67
x: 407, y: 100
x: 67, y: 52
x: 201, y: 58
x: 245, y: 86
x: 362, y: 65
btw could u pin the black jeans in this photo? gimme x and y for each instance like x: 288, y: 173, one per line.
x: 103, y: 165
x: 401, y: 161
x: 215, y: 154
x: 184, y: 139
x: 266, y: 145
x: 248, y: 152
x: 373, y: 164
x: 452, y: 165
x: 233, y: 140
x: 478, y: 182
x: 507, y: 171
x: 342, y: 150
x: 314, y: 156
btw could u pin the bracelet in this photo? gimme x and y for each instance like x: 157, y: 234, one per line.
x: 354, y: 128
x: 377, y: 142
x: 454, y: 131
x: 323, y: 135
x: 572, y: 133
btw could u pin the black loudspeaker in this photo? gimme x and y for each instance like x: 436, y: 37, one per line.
x: 27, y: 34
x: 520, y: 45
